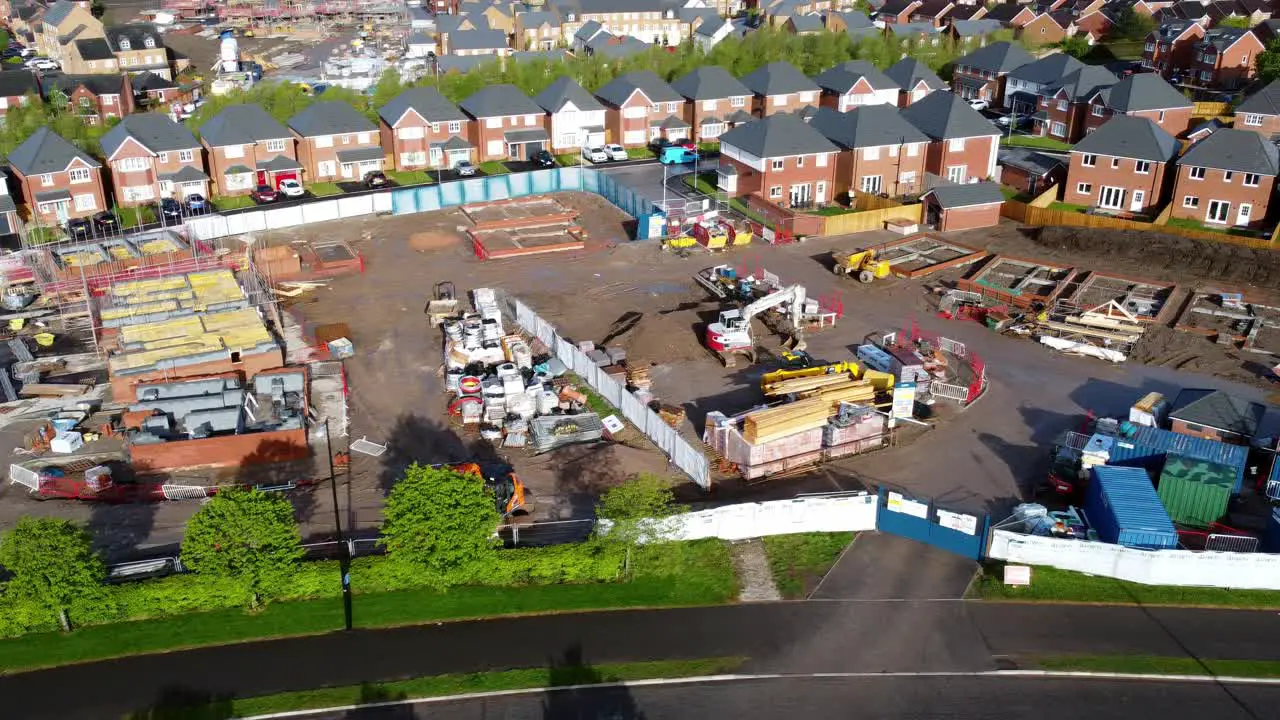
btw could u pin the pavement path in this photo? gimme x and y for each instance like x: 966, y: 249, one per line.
x: 880, y: 566
x: 755, y: 578
x: 837, y: 698
x: 795, y: 637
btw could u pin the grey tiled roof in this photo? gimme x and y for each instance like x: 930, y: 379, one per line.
x: 16, y: 83
x: 943, y: 116
x: 709, y: 82
x: 1238, y: 150
x: 1047, y: 69
x: 241, y: 125
x: 94, y: 49
x: 853, y: 19
x: 1083, y: 83
x: 478, y: 40
x: 958, y: 196
x: 1130, y: 137
x: 453, y: 143
x: 841, y: 78
x: 710, y: 26
x: 1001, y: 57
x: 866, y: 126
x: 779, y: 78
x: 58, y: 12
x: 565, y: 89
x: 136, y: 34
x: 279, y: 163
x: 618, y: 90
x: 330, y: 118
x: 1219, y: 410
x: 426, y: 101
x: 187, y: 173
x: 153, y: 131
x: 975, y: 28
x: 96, y: 84
x: 1144, y: 91
x: 807, y: 23
x: 147, y: 80
x: 909, y: 72
x: 360, y: 154
x: 780, y: 135
x: 46, y: 152
x: 1263, y: 102
x: 499, y: 101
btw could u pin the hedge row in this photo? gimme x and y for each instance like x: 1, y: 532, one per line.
x: 189, y: 593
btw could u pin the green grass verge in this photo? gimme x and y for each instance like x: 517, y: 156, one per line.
x: 233, y: 202
x: 702, y: 182
x: 41, y: 235
x: 569, y: 159
x: 709, y: 146
x: 1222, y: 230
x: 569, y: 674
x: 1054, y: 585
x: 493, y: 167
x: 831, y: 210
x: 641, y: 153
x: 1068, y: 207
x: 692, y: 573
x: 410, y: 177
x: 324, y: 189
x: 131, y: 217
x: 1014, y: 194
x: 1155, y: 665
x: 1034, y: 141
x: 800, y: 561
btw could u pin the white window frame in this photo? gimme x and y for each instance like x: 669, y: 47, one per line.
x: 77, y: 176
x: 1228, y: 176
x: 1058, y: 129
x: 1117, y: 196
x: 1098, y: 111
x: 738, y: 101
x: 1084, y: 188
x: 820, y: 160
x: 1253, y: 120
x: 871, y: 153
x: 957, y: 173
x: 955, y: 144
x: 1142, y: 167
x: 1195, y: 172
x: 237, y: 151
x: 1252, y: 179
x: 455, y: 126
x: 46, y: 180
x: 777, y: 164
x: 275, y: 146
x: 1223, y: 205
x: 775, y: 192
x: 85, y: 201
x: 1190, y: 201
x: 186, y: 156
x: 1089, y: 160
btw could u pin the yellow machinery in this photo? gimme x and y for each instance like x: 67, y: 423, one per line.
x: 769, y: 383
x: 861, y: 264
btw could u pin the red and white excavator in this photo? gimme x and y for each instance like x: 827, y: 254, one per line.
x: 731, y: 334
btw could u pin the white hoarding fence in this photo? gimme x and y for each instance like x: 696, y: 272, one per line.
x: 683, y: 454
x: 1243, y: 571
x: 849, y: 513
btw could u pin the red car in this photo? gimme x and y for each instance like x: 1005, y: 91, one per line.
x: 264, y: 194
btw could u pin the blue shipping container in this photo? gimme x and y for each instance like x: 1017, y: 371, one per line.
x: 1271, y: 540
x: 1147, y: 447
x: 1123, y: 508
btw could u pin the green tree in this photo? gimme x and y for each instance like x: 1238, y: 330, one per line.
x: 634, y: 511
x: 98, y: 8
x: 387, y: 88
x: 245, y: 535
x: 1232, y: 21
x: 1132, y: 25
x: 440, y: 519
x: 1269, y: 62
x: 1076, y: 46
x: 52, y: 562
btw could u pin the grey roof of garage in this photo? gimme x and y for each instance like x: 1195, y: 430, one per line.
x: 53, y: 195
x: 958, y: 196
x: 186, y: 174
x: 453, y: 143
x: 361, y: 155
x: 278, y: 163
x: 526, y: 136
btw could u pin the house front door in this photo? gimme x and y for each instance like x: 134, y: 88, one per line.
x: 800, y: 195
x: 1111, y: 198
x: 1219, y: 211
x: 1138, y: 201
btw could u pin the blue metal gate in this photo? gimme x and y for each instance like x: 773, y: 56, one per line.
x: 961, y: 533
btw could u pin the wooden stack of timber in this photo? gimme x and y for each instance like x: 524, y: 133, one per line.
x: 807, y: 385
x: 811, y: 412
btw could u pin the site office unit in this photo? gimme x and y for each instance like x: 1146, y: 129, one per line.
x: 794, y: 180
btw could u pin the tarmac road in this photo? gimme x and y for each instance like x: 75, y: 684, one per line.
x: 804, y: 637
x: 885, y: 698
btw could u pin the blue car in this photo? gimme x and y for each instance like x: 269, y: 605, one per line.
x: 196, y: 204
x: 674, y: 155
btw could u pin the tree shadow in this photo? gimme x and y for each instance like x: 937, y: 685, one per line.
x: 118, y: 530
x: 564, y: 701
x: 371, y: 694
x: 183, y: 703
x: 582, y: 472
x: 415, y: 439
x: 278, y: 464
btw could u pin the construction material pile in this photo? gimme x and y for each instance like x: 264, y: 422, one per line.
x: 811, y: 412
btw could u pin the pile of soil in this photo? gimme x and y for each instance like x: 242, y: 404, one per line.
x: 1165, y: 347
x: 653, y: 337
x: 1171, y: 257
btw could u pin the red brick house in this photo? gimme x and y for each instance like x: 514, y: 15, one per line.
x: 1064, y: 109
x: 336, y: 143
x: 640, y: 107
x: 1047, y: 28
x: 963, y: 207
x: 780, y: 158
x: 1012, y: 15
x: 779, y: 87
x: 58, y: 180
x: 1226, y: 179
x: 1144, y: 95
x: 153, y: 157
x: 420, y: 129
x: 16, y: 88
x: 1225, y: 59
x: 714, y: 100
x: 854, y: 83
x: 94, y: 98
x: 1260, y: 112
x: 980, y: 75
x: 1096, y: 24
x: 245, y: 148
x: 897, y: 12
x: 506, y: 123
x: 1123, y: 167
x: 962, y: 143
x: 934, y: 12
x: 1170, y: 48
x: 914, y: 79
x: 880, y: 153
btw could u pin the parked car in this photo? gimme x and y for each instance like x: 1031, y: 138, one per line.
x: 79, y: 228
x: 675, y: 154
x: 979, y: 104
x: 595, y: 155
x: 196, y: 204
x: 375, y: 179
x: 291, y: 188
x: 264, y: 194
x: 104, y: 223
x: 464, y: 168
x: 657, y: 145
x: 543, y: 159
x: 170, y: 211
x: 615, y: 152
x: 1020, y: 121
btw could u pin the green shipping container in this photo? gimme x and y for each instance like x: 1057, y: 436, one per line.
x: 1195, y: 492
